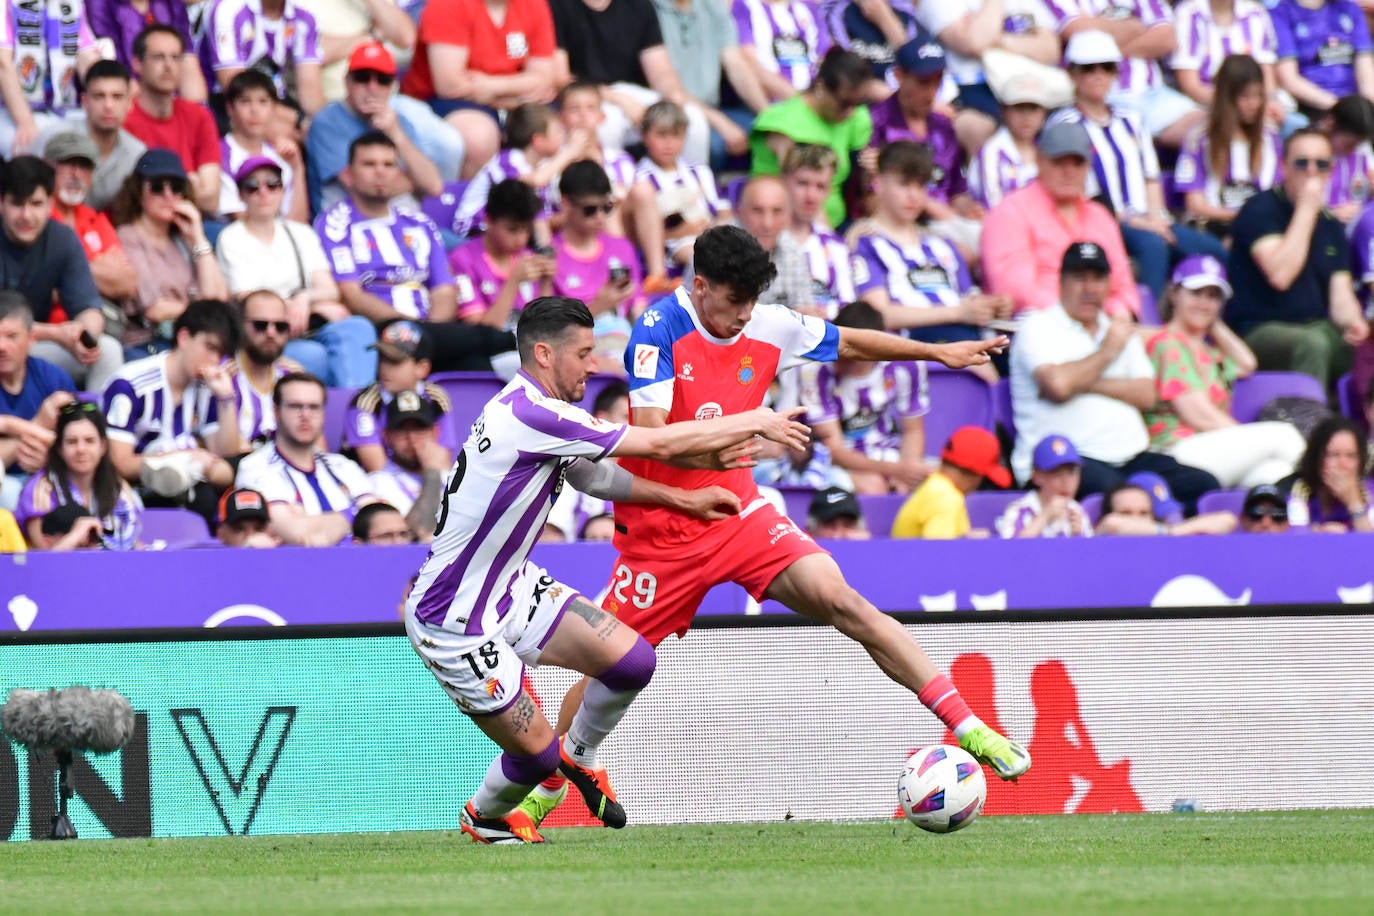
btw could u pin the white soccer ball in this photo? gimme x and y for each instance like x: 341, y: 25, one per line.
x: 942, y: 788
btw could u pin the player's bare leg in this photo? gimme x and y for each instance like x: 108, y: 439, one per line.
x: 815, y: 586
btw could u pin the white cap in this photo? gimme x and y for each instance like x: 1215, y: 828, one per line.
x: 1092, y: 47
x: 1023, y: 88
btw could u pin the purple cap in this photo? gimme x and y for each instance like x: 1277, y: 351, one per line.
x: 1201, y: 271
x: 252, y: 164
x: 1166, y: 508
x: 1054, y: 452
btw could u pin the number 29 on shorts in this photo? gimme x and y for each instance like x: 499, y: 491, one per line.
x: 639, y: 590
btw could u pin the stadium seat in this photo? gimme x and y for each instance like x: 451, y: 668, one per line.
x: 1149, y: 308
x: 985, y: 507
x: 880, y: 511
x: 469, y: 393
x: 1002, y: 413
x: 1221, y: 501
x: 336, y: 402
x: 1255, y: 391
x: 797, y: 500
x: 1092, y: 505
x: 176, y: 527
x: 1348, y: 399
x: 957, y: 398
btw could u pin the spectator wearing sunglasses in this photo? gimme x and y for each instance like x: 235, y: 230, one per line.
x: 1294, y: 301
x: 250, y: 101
x: 162, y: 233
x: 258, y: 365
x: 1265, y: 511
x: 429, y: 149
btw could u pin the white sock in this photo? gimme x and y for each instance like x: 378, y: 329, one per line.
x: 966, y: 726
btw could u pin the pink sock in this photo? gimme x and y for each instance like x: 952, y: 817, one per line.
x: 942, y: 698
x: 554, y: 782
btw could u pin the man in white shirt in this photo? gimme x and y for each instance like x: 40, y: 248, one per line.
x: 1077, y: 373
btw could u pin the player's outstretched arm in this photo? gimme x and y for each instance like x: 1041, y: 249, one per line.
x: 863, y: 344
x: 696, y: 437
x: 607, y: 480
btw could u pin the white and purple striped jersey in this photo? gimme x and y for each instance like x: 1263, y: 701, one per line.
x: 871, y: 409
x: 1018, y: 16
x: 1137, y: 74
x: 1023, y: 511
x: 140, y: 410
x: 1350, y: 177
x: 332, y: 484
x: 1124, y: 158
x: 930, y: 273
x: 472, y: 207
x: 396, y: 486
x: 398, y: 258
x: 502, y: 486
x: 237, y: 35
x: 620, y: 168
x: 832, y: 274
x: 47, y: 37
x: 1193, y: 171
x: 257, y: 414
x: 786, y: 36
x: 1203, y: 44
x: 232, y: 156
x: 998, y: 169
x: 688, y: 190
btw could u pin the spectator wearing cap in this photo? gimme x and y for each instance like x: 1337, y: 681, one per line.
x: 1197, y: 360
x: 782, y: 42
x: 163, y: 234
x: 1265, y: 511
x: 244, y: 521
x: 1324, y: 52
x: 1007, y: 162
x: 73, y: 156
x: 262, y: 251
x: 161, y: 120
x: 1352, y: 161
x: 412, y: 479
x: 249, y: 100
x: 909, y: 114
x: 106, y: 99
x: 835, y: 515
x: 404, y: 357
x: 1026, y: 235
x: 1294, y: 302
x: 238, y: 35
x: 1144, y: 505
x: 44, y: 52
x: 1331, y: 494
x: 430, y: 149
x: 1125, y: 170
x: 382, y: 524
x: 120, y: 21
x: 312, y: 496
x: 69, y: 527
x: 345, y: 27
x: 1049, y: 510
x: 43, y: 260
x: 937, y: 509
x: 32, y: 392
x: 1085, y: 376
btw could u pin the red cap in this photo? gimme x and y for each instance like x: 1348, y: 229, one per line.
x: 976, y: 450
x: 372, y: 55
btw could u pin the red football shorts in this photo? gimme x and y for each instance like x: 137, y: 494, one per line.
x: 659, y: 594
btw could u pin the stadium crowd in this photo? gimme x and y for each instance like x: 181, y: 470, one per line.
x: 220, y: 216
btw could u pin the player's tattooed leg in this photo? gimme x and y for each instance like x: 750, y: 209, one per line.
x: 523, y: 714
x: 605, y: 624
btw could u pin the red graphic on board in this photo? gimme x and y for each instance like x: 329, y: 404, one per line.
x: 573, y: 812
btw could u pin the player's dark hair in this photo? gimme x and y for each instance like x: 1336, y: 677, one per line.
x: 842, y: 69
x: 907, y: 160
x: 291, y: 378
x: 23, y: 175
x: 105, y: 486
x: 525, y: 122
x: 106, y: 70
x: 729, y: 255
x: 371, y: 138
x: 140, y: 47
x: 1310, y: 467
x: 514, y: 200
x: 1301, y: 133
x: 247, y: 80
x: 14, y: 305
x: 860, y: 315
x: 575, y: 87
x: 606, y: 397
x: 547, y: 320
x: 213, y: 317
x: 362, y: 522
x: 1109, y: 498
x: 584, y: 178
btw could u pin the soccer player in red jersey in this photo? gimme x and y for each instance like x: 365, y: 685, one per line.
x: 707, y: 351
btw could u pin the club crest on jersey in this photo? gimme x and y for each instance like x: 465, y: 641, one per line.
x: 745, y: 373
x: 493, y: 688
x: 709, y: 411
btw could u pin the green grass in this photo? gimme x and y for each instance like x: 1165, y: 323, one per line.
x: 1252, y: 863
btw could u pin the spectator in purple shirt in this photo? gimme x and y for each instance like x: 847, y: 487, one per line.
x: 278, y: 37
x: 1324, y: 52
x: 1331, y: 494
x: 120, y: 21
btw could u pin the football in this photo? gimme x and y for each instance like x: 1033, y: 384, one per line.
x: 942, y: 788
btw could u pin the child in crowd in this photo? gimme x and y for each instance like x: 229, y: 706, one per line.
x: 688, y: 201
x: 1352, y: 129
x: 251, y: 101
x: 536, y: 152
x: 1049, y: 509
x: 599, y: 268
x: 1007, y: 162
x: 808, y: 170
x: 404, y: 352
x: 1145, y: 505
x: 496, y: 273
x: 937, y: 510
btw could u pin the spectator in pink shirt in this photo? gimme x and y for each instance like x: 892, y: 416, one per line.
x: 1025, y: 236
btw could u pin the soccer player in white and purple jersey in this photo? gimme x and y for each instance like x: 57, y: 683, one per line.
x: 480, y: 610
x: 784, y: 39
x: 808, y: 172
x: 1205, y: 40
x: 238, y: 34
x: 535, y: 153
x: 388, y: 260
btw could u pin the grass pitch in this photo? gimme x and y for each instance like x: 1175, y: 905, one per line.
x: 1292, y: 862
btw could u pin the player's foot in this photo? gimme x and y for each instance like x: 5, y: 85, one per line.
x: 537, y: 806
x: 514, y: 829
x: 1006, y: 758
x: 595, y: 786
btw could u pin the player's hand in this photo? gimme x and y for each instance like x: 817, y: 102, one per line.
x: 709, y: 504
x: 967, y: 353
x: 740, y: 455
x: 783, y: 428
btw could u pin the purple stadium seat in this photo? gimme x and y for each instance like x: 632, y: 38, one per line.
x: 1092, y: 505
x: 1221, y: 501
x: 880, y: 511
x: 1002, y: 413
x: 177, y: 527
x: 1252, y: 393
x: 1349, y: 400
x: 1149, y: 308
x: 797, y: 500
x: 957, y: 398
x: 469, y: 392
x: 335, y: 410
x: 985, y: 507
x: 442, y: 206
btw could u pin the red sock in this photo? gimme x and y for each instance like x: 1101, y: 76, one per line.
x: 554, y: 782
x: 942, y: 698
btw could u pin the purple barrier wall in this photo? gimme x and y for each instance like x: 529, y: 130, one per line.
x: 222, y: 587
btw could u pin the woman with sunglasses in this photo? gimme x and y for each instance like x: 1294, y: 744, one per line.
x: 79, y: 471
x: 161, y: 231
x: 261, y: 250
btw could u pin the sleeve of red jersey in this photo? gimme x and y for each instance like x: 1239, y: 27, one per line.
x: 649, y: 359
